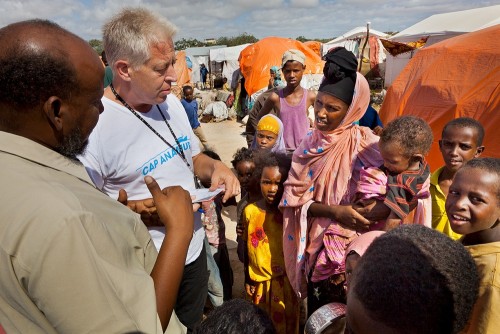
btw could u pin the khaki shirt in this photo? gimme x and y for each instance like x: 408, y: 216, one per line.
x: 485, y: 317
x: 72, y: 259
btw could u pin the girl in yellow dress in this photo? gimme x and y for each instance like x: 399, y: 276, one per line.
x: 265, y: 277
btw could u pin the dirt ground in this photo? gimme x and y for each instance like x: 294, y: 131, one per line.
x: 225, y: 138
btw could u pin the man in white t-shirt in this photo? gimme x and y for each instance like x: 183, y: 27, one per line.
x: 143, y: 131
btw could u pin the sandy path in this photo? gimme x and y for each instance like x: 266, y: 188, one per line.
x: 225, y: 138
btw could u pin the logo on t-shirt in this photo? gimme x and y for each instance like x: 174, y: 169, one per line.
x: 165, y: 156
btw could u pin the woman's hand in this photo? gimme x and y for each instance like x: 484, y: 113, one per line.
x: 345, y: 215
x: 348, y: 217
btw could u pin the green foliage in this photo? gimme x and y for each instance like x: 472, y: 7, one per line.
x: 184, y: 43
x: 96, y: 44
x: 322, y: 40
x: 236, y: 40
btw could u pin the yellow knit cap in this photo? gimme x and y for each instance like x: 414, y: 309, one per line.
x: 269, y: 123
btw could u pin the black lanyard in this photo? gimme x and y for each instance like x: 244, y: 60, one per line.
x: 179, y: 152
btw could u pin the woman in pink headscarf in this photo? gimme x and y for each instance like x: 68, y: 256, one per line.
x: 319, y: 217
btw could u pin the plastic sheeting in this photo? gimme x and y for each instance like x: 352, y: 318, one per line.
x: 456, y: 77
x: 181, y: 69
x: 257, y: 59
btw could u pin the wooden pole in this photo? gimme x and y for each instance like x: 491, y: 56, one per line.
x: 364, y: 45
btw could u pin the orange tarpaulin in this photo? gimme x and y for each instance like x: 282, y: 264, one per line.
x: 456, y: 77
x: 181, y: 69
x: 258, y: 58
x: 315, y: 46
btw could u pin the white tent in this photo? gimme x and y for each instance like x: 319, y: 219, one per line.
x: 437, y: 28
x: 352, y: 39
x: 229, y: 57
x: 198, y: 56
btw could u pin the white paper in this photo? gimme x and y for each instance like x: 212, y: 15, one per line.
x: 204, y: 194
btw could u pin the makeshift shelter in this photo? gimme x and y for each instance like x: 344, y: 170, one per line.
x: 437, y: 28
x: 315, y: 46
x: 181, y: 69
x: 456, y: 77
x: 257, y: 59
x: 198, y: 56
x: 229, y: 58
x: 354, y: 39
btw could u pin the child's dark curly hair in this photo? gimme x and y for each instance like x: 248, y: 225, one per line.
x: 416, y: 280
x: 242, y: 154
x: 411, y: 132
x: 265, y: 159
x: 466, y: 122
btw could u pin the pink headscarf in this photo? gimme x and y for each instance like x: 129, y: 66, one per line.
x: 361, y: 243
x: 322, y: 167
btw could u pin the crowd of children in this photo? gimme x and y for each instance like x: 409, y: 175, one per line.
x: 304, y: 222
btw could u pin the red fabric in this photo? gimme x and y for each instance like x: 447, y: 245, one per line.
x: 457, y: 77
x: 181, y: 70
x: 374, y: 50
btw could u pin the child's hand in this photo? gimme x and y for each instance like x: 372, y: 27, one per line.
x: 250, y: 289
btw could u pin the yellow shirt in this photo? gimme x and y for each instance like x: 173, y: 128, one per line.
x: 485, y: 316
x: 440, y: 220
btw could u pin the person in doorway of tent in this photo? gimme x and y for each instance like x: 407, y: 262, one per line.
x: 203, y: 76
x: 266, y: 282
x: 144, y: 130
x: 473, y: 208
x: 403, y: 181
x: 461, y: 141
x: 269, y: 135
x: 317, y: 202
x: 275, y: 79
x: 191, y: 107
x: 412, y: 280
x: 292, y: 102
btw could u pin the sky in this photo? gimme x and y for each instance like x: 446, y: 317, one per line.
x: 203, y: 19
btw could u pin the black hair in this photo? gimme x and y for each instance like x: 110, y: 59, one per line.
x: 212, y: 154
x: 417, y: 280
x: 242, y: 154
x: 30, y: 75
x: 411, y: 132
x: 466, y: 122
x: 185, y: 88
x: 489, y: 165
x: 236, y: 316
x: 265, y: 158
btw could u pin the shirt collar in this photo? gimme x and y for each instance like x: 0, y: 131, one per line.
x: 484, y: 249
x: 435, y: 176
x: 30, y: 150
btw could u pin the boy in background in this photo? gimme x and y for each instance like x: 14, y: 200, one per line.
x: 191, y: 107
x: 473, y: 208
x: 461, y: 141
x: 291, y: 102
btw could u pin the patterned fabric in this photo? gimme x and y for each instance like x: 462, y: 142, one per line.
x: 403, y: 190
x: 325, y: 169
x: 373, y: 184
x: 266, y: 268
